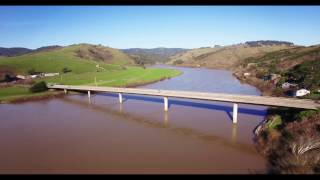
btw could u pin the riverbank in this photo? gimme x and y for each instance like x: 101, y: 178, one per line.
x: 285, y: 131
x: 287, y: 138
x: 19, y: 94
x: 133, y: 78
x: 266, y: 88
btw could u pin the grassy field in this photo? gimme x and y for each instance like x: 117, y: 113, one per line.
x: 118, y: 78
x: 129, y: 77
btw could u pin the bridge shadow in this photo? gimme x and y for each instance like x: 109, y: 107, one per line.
x: 226, y: 108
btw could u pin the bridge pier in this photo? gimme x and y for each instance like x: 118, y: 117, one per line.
x: 120, y: 97
x: 165, y: 99
x: 89, y: 94
x: 235, y: 113
x: 65, y: 91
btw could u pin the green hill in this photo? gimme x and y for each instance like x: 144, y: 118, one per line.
x: 86, y: 64
x: 79, y: 58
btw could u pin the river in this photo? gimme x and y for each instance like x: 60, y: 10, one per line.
x: 73, y: 135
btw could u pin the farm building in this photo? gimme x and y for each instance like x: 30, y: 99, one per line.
x: 50, y: 74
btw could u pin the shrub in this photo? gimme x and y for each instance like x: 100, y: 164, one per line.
x: 7, y: 78
x: 66, y: 70
x: 39, y: 87
x: 31, y: 71
x: 178, y: 62
x: 274, y: 122
x: 278, y: 91
x: 306, y: 114
x: 260, y: 73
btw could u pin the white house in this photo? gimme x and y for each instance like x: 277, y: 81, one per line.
x: 246, y: 74
x: 21, y: 77
x: 286, y: 85
x: 302, y: 92
x: 51, y: 74
x: 33, y: 76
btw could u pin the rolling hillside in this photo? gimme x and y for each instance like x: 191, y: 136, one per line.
x: 152, y: 56
x: 79, y: 58
x: 226, y: 57
x: 299, y: 65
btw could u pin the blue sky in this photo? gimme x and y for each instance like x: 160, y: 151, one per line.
x: 156, y: 26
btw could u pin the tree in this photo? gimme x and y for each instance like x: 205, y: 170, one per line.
x: 7, y: 78
x: 39, y: 87
x: 31, y: 71
x: 66, y: 70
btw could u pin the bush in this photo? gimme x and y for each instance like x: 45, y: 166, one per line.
x: 274, y: 122
x: 178, y: 62
x: 31, y: 71
x: 66, y: 70
x: 261, y: 73
x: 306, y: 114
x: 39, y: 87
x: 278, y: 91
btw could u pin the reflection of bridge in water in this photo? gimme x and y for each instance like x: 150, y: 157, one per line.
x: 189, y: 132
x: 233, y: 98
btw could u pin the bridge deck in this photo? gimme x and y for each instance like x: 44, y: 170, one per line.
x: 244, y: 99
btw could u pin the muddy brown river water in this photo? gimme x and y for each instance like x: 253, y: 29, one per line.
x: 72, y: 135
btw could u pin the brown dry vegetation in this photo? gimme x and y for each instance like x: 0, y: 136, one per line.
x: 279, y: 62
x: 225, y: 57
x: 101, y: 53
x: 293, y: 146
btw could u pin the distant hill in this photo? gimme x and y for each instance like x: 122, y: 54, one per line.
x: 151, y: 56
x: 14, y: 51
x: 226, y: 57
x: 47, y: 48
x: 9, y: 52
x: 267, y: 43
x: 79, y: 58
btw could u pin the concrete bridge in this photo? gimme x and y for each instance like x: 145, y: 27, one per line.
x: 233, y: 98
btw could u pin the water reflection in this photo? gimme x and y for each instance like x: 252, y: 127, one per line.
x: 165, y: 121
x: 89, y: 100
x: 121, y: 107
x: 234, y: 133
x: 190, y: 132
